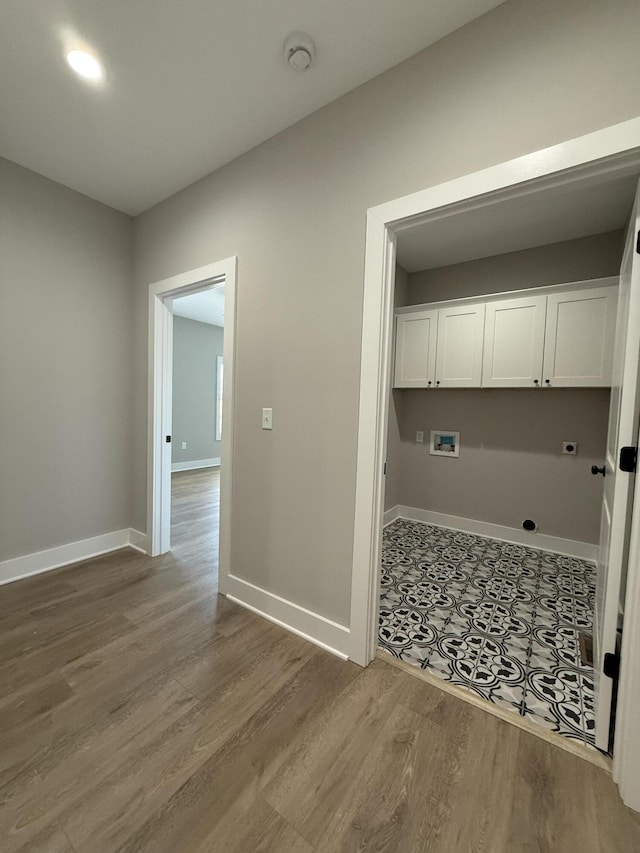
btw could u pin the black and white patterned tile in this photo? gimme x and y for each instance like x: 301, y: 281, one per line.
x: 501, y: 620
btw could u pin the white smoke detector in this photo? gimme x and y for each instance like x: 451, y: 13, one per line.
x: 299, y: 51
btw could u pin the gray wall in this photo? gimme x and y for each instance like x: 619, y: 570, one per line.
x: 65, y: 365
x: 195, y: 349
x: 525, y: 76
x: 510, y: 466
x: 572, y: 260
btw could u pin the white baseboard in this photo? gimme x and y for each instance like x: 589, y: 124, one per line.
x: 138, y: 540
x: 570, y: 547
x: 53, y: 558
x: 390, y: 515
x: 329, y: 635
x: 197, y: 463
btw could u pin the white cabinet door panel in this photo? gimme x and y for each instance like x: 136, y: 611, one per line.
x: 415, y: 349
x: 514, y: 342
x: 578, y: 349
x: 459, y: 350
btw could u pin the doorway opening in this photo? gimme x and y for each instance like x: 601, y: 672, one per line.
x: 191, y: 370
x: 517, y: 207
x: 196, y: 431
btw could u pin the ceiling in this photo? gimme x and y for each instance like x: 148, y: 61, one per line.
x: 522, y: 222
x: 189, y: 85
x: 207, y: 306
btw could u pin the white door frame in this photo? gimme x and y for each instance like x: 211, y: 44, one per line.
x: 597, y: 156
x: 159, y: 403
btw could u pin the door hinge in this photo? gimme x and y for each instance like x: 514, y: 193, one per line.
x: 611, y: 666
x: 385, y: 468
x: 638, y: 243
x: 628, y: 459
x: 167, y: 438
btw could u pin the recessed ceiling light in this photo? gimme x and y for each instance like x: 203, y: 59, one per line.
x: 84, y: 64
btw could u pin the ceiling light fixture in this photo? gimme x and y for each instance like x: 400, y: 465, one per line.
x: 85, y: 64
x: 299, y: 51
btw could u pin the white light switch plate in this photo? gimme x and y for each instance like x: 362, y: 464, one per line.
x: 419, y: 437
x: 267, y: 419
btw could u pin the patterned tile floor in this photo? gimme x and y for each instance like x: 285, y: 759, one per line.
x: 501, y: 620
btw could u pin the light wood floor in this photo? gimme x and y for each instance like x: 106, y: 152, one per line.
x: 195, y: 511
x: 142, y: 712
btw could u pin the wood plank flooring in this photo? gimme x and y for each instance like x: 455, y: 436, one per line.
x: 140, y: 711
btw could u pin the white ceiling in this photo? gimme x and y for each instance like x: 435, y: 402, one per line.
x: 190, y: 85
x: 518, y: 223
x: 206, y: 306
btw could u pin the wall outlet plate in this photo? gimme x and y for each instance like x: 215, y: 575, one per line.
x: 570, y: 448
x: 419, y: 437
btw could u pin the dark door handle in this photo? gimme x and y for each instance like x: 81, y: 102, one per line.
x: 595, y: 470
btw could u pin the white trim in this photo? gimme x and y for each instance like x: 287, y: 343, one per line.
x: 228, y: 420
x: 613, y: 151
x: 610, y: 150
x: 159, y: 403
x: 627, y: 738
x: 196, y: 463
x: 626, y: 750
x: 138, y: 541
x: 73, y: 552
x: 159, y: 422
x: 375, y: 362
x: 540, y: 541
x: 219, y: 395
x: 317, y: 629
x: 391, y: 515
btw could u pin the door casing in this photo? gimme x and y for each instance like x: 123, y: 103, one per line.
x: 159, y: 403
x: 603, y: 155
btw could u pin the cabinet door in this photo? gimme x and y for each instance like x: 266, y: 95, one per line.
x: 415, y: 349
x: 459, y: 350
x: 578, y: 346
x: 514, y: 342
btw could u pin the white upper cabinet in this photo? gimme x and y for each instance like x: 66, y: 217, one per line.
x: 580, y: 328
x: 416, y: 349
x: 560, y: 338
x: 514, y: 342
x: 459, y: 349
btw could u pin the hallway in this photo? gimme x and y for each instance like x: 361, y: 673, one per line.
x: 143, y: 712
